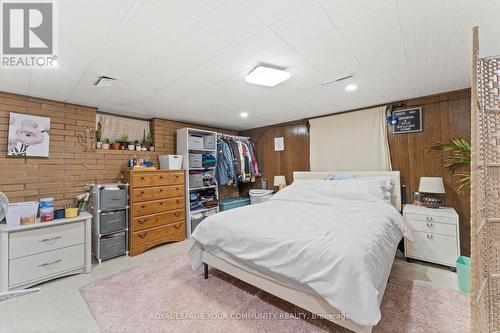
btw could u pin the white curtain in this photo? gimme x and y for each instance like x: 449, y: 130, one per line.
x: 355, y: 141
x: 113, y: 127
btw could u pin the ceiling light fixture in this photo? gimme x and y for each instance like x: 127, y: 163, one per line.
x: 104, y: 82
x: 351, y: 87
x: 267, y: 76
x: 244, y: 114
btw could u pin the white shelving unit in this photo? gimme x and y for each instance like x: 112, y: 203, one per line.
x: 184, y: 149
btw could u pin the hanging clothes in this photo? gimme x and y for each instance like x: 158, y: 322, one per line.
x: 236, y: 160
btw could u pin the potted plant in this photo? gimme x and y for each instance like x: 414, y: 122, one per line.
x: 147, y: 140
x: 105, y: 144
x: 137, y: 145
x: 116, y: 145
x: 458, y: 159
x: 123, y: 140
x: 98, y: 133
x: 131, y: 145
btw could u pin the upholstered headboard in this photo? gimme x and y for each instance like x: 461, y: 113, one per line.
x: 395, y: 180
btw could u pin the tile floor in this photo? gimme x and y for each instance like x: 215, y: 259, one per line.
x: 59, y: 307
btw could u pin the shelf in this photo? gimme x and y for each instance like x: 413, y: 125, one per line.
x: 202, y: 149
x: 202, y: 188
x: 203, y: 210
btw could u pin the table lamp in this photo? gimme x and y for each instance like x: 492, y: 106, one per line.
x: 280, y: 181
x: 433, y: 188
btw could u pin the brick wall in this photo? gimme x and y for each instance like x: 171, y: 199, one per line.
x: 70, y: 165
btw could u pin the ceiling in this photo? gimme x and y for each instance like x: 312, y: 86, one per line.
x: 186, y: 60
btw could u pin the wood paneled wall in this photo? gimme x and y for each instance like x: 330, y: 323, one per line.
x: 445, y: 116
x: 70, y: 165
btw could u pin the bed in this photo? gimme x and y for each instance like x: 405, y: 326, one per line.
x: 315, y: 245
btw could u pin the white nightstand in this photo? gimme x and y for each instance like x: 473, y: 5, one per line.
x: 436, y: 234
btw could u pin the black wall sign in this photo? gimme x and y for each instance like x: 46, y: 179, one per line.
x: 409, y: 120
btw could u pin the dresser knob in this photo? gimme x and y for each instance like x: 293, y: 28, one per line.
x: 429, y: 218
x: 142, y: 234
x: 430, y: 236
x: 142, y: 221
x: 429, y: 225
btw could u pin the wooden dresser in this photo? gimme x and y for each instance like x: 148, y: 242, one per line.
x: 157, y: 208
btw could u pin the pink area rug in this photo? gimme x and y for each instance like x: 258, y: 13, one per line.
x: 165, y: 295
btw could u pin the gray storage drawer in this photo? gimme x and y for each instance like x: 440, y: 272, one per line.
x: 113, y: 245
x: 111, y: 199
x: 112, y: 221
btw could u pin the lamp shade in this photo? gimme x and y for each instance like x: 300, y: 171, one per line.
x: 431, y: 185
x: 279, y: 180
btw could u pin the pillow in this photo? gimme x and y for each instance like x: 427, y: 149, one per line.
x: 380, y: 187
x: 339, y: 176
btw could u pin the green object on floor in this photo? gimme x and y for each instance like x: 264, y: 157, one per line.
x: 463, y: 272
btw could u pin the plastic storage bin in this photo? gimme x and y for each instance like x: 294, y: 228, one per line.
x: 170, y: 162
x: 196, y: 142
x: 113, y: 245
x: 231, y: 203
x: 15, y: 211
x: 195, y: 179
x: 113, y: 199
x: 258, y: 196
x: 463, y: 272
x: 195, y: 160
x: 112, y: 221
x: 209, y: 142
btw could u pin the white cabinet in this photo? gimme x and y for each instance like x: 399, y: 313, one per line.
x: 31, y: 254
x: 436, y: 235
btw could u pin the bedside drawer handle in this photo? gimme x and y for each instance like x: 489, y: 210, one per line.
x: 50, y: 263
x: 46, y: 240
x: 142, y: 178
x: 142, y: 221
x: 429, y: 225
x: 142, y: 235
x: 429, y: 218
x: 177, y: 214
x: 430, y: 236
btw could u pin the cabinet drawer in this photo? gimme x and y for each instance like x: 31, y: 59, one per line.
x: 45, y: 239
x: 432, y: 247
x: 433, y: 227
x: 176, y: 191
x: 176, y: 178
x: 142, y: 194
x: 157, y: 206
x: 152, y: 179
x: 45, y: 264
x: 149, y: 235
x: 428, y: 218
x: 150, y: 221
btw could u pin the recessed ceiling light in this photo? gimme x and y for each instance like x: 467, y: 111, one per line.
x: 267, y: 76
x: 104, y: 82
x: 244, y: 114
x: 351, y: 87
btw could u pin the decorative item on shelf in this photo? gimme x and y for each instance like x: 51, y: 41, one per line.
x: 71, y: 212
x: 105, y: 144
x: 98, y: 136
x: 58, y: 214
x: 433, y: 188
x: 116, y: 145
x: 147, y: 140
x: 280, y: 182
x: 417, y: 199
x: 123, y: 140
x: 137, y: 145
x: 131, y: 145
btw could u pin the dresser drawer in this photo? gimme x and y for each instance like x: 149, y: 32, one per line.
x: 157, y: 206
x: 434, y: 227
x: 432, y: 247
x: 176, y: 191
x: 152, y: 179
x: 45, y: 239
x: 45, y: 264
x: 428, y: 218
x: 162, y: 232
x: 142, y: 194
x: 176, y: 178
x: 156, y: 193
x: 150, y: 221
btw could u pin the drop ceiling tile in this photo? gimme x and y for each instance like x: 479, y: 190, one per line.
x: 271, y: 11
x: 86, y: 93
x: 15, y: 81
x: 304, y: 24
x: 343, y: 12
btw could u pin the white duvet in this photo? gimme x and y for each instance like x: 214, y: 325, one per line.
x: 339, y: 245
